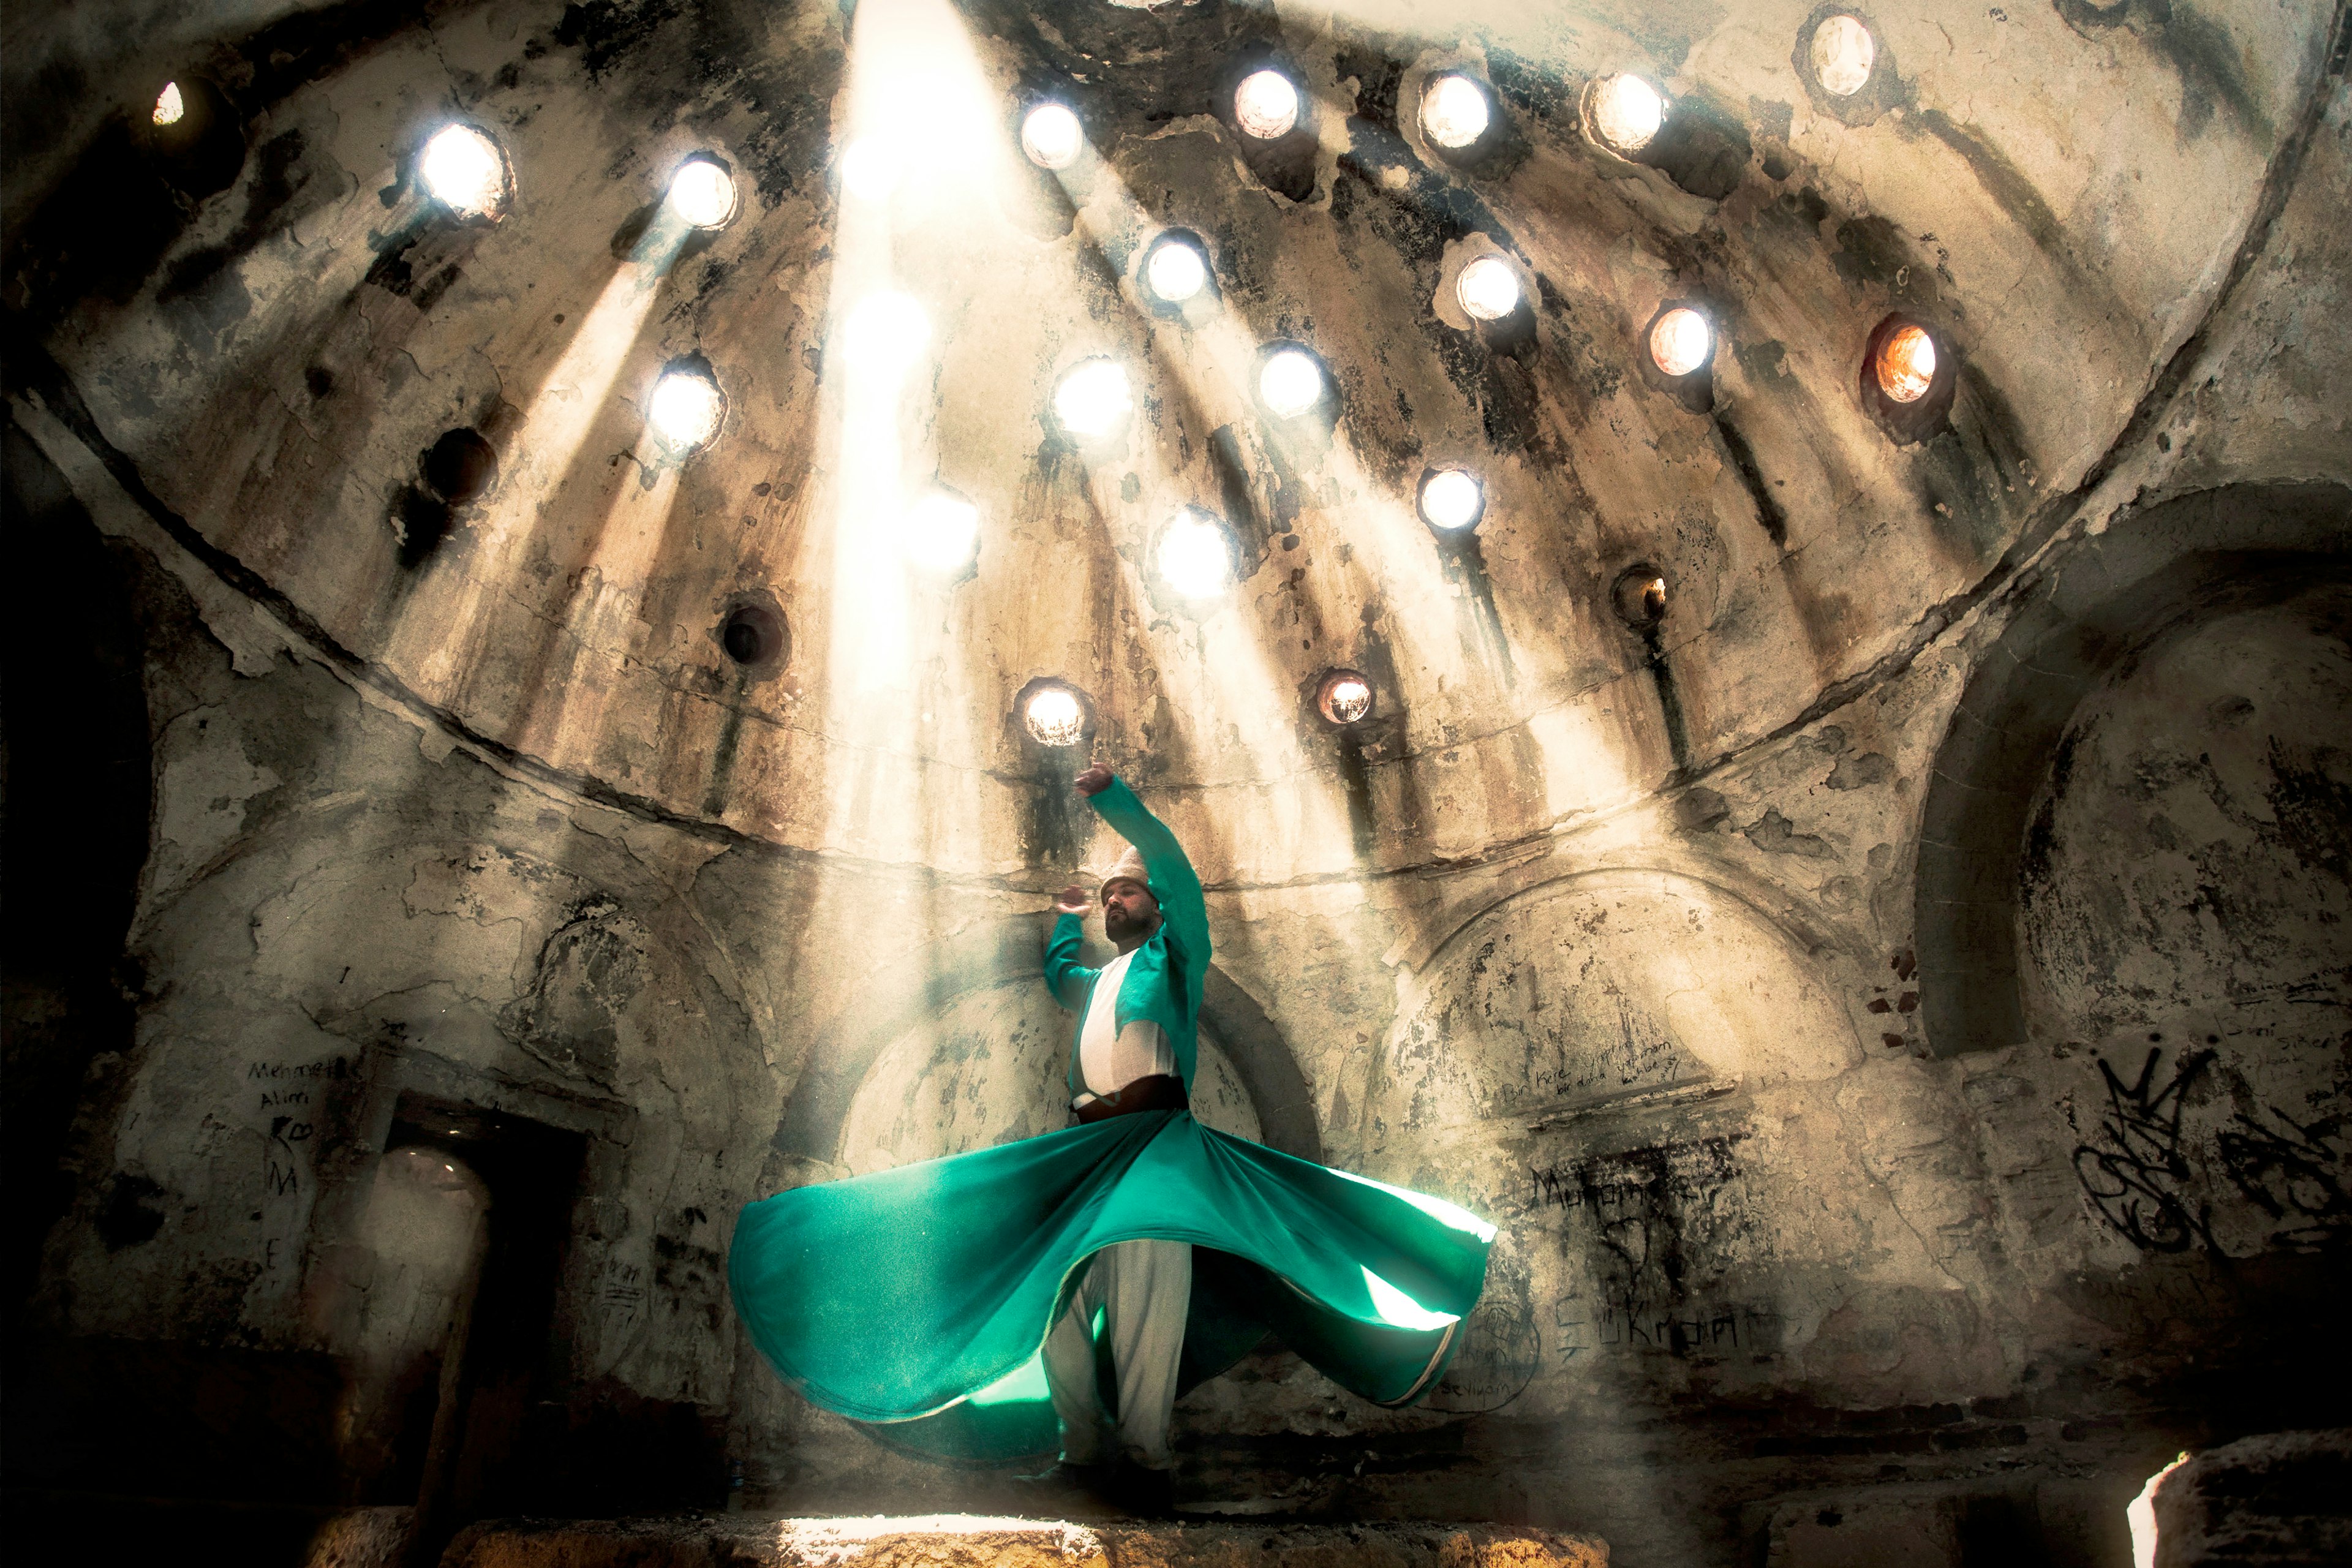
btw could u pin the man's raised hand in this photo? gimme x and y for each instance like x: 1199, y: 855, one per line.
x: 1074, y: 901
x: 1094, y: 780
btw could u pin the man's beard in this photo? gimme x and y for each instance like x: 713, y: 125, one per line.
x: 1119, y: 926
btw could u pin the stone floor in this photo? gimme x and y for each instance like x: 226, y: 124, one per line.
x: 963, y: 1541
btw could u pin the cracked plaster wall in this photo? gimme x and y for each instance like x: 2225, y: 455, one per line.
x: 1763, y: 1247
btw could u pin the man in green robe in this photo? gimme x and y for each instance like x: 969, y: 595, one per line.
x: 956, y: 1307
x: 1138, y: 1032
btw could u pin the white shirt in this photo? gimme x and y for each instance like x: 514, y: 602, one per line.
x: 1110, y: 1058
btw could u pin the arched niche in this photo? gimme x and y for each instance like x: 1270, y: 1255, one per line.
x: 2189, y: 847
x: 985, y: 989
x: 1600, y: 987
x: 2114, y: 601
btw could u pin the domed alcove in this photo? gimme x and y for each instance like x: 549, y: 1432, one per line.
x: 1595, y: 988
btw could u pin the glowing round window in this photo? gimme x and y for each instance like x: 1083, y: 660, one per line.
x: 169, y: 105
x: 1640, y: 596
x: 685, y: 410
x: 1094, y: 400
x: 465, y: 172
x: 940, y: 531
x: 1907, y: 363
x: 1195, y: 557
x: 1680, y: 341
x: 702, y: 193
x: 1266, y: 105
x: 886, y: 332
x: 1052, y: 136
x: 1290, y: 381
x: 1054, y: 716
x: 1176, y: 270
x: 1451, y: 500
x: 1488, y: 289
x: 1626, y: 113
x: 1843, y: 53
x: 870, y: 167
x: 1344, y: 697
x: 1454, y: 112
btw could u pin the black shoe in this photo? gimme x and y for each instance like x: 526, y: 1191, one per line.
x: 1094, y: 1479
x: 1145, y: 1493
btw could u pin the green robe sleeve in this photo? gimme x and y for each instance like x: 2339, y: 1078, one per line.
x: 1173, y: 882
x: 1064, y: 975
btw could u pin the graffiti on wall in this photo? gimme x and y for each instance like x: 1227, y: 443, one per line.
x: 2292, y: 1171
x: 2133, y: 1166
x: 1624, y: 1320
x: 1501, y: 1348
x: 1657, y: 1226
x: 2154, y: 1180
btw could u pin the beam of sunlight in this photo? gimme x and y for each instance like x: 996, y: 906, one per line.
x: 445, y: 625
x: 1216, y: 363
x: 599, y: 620
x: 921, y: 123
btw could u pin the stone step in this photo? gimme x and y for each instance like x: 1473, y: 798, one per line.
x: 964, y: 1541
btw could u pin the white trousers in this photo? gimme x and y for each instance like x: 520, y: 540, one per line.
x: 1143, y: 1289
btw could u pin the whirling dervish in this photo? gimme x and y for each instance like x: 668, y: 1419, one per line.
x: 1055, y: 1295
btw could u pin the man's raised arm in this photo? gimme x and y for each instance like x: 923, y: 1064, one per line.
x: 1173, y: 882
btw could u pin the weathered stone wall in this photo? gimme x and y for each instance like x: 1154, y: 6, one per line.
x: 1867, y: 1158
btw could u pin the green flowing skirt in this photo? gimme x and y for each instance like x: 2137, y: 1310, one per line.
x: 917, y: 1299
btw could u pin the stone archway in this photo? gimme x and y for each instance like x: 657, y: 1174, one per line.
x: 1600, y: 985
x: 2181, y: 562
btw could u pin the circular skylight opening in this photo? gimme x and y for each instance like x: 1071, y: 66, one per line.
x: 1907, y: 363
x: 1680, y: 341
x: 1488, y: 289
x: 1195, y: 557
x: 886, y: 332
x: 1640, y: 596
x: 1175, y: 271
x: 870, y: 169
x: 1344, y: 698
x: 1626, y: 113
x: 754, y: 635
x: 1052, y: 136
x: 197, y: 137
x: 940, y: 531
x: 461, y: 466
x: 702, y: 193
x: 1843, y: 53
x: 1454, y: 112
x: 1451, y: 500
x: 1054, y: 716
x: 1266, y: 104
x: 685, y: 410
x: 1094, y: 400
x: 1291, y: 382
x: 465, y: 172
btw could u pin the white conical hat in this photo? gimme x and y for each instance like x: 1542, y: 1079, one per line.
x: 1129, y: 866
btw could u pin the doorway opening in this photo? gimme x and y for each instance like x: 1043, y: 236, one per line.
x: 493, y: 1432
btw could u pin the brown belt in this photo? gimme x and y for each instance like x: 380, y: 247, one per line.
x: 1160, y: 1091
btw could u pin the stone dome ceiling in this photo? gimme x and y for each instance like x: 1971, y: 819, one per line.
x: 2057, y: 194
